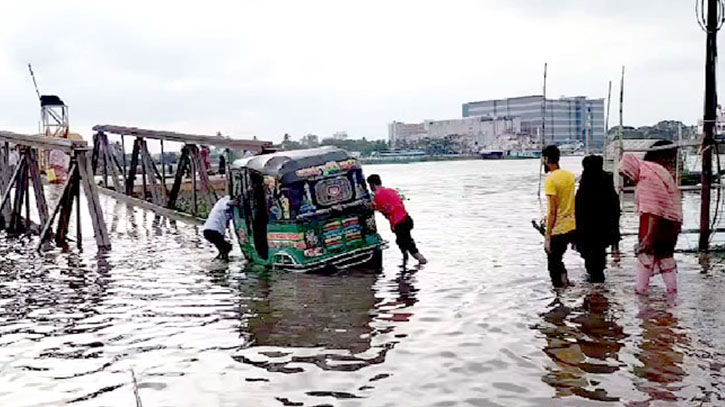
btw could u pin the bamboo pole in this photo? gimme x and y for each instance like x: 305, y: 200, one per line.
x: 542, y: 135
x: 606, y: 122
x: 620, y: 144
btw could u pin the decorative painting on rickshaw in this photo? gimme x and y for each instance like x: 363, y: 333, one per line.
x: 330, y: 168
x: 333, y: 191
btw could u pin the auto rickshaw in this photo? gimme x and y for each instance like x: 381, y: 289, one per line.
x: 304, y: 210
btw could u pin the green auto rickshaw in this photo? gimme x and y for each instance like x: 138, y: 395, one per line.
x: 304, y: 210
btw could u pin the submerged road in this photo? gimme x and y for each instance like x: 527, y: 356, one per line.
x: 478, y: 326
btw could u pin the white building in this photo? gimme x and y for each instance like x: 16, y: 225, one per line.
x: 470, y: 133
x: 399, y: 132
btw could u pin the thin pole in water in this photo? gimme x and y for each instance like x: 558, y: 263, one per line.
x: 587, y: 130
x: 543, y: 131
x: 620, y: 145
x: 606, y: 122
x: 621, y: 109
x: 163, y: 167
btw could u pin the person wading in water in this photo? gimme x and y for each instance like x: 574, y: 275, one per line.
x: 659, y: 207
x: 391, y: 206
x: 597, y: 216
x: 215, y: 227
x: 560, y: 220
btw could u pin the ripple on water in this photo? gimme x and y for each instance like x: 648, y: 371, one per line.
x: 479, y: 325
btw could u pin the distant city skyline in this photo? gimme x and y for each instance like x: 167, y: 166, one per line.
x: 265, y: 69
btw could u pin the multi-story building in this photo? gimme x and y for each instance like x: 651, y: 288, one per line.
x: 399, y: 132
x: 310, y: 140
x: 469, y: 134
x: 567, y: 118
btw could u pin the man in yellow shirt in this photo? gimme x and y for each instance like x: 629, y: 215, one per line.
x: 560, y: 220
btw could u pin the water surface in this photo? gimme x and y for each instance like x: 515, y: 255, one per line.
x: 478, y: 326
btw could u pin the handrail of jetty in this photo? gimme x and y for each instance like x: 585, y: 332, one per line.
x: 154, y: 194
x: 19, y: 170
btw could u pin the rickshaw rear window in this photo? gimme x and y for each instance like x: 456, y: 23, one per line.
x: 333, y: 191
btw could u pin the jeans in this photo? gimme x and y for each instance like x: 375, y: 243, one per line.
x: 557, y: 271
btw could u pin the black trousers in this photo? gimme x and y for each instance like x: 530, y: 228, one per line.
x: 403, y: 238
x: 595, y: 261
x: 218, y: 240
x: 557, y: 271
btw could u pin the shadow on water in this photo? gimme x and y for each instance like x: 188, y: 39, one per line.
x: 67, y: 286
x: 661, y: 373
x: 582, y: 339
x: 326, y: 320
x: 479, y: 326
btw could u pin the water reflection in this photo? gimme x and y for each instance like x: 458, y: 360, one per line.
x: 660, y: 352
x: 329, y: 321
x: 582, y: 339
x: 58, y: 293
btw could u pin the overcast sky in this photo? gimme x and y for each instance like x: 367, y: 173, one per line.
x: 266, y: 68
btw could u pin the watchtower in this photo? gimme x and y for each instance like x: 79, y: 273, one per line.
x: 54, y: 116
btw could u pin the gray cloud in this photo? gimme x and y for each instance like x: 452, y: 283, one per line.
x: 322, y: 66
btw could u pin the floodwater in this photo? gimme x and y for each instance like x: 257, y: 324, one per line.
x: 478, y: 326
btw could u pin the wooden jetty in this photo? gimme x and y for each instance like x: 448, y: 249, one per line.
x: 155, y: 194
x: 25, y: 172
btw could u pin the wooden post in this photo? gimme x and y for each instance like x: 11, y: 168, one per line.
x: 149, y: 168
x: 110, y: 159
x: 105, y: 166
x: 26, y: 188
x: 16, y: 225
x: 94, y: 205
x: 163, y: 167
x: 143, y: 170
x: 79, y: 230
x: 40, y: 202
x: 194, y: 209
x: 227, y: 175
x: 45, y: 230
x: 131, y: 179
x: 11, y: 181
x: 207, y: 191
x: 96, y: 152
x: 123, y: 157
x: 66, y: 207
x: 5, y: 172
x: 119, y: 170
x: 178, y: 178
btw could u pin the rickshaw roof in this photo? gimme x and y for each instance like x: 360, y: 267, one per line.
x: 284, y: 164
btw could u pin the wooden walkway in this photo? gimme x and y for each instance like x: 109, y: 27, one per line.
x: 22, y: 172
x: 153, y: 182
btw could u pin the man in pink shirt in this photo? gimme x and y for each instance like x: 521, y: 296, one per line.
x: 391, y: 206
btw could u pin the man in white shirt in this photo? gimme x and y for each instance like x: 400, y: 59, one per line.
x: 215, y: 227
